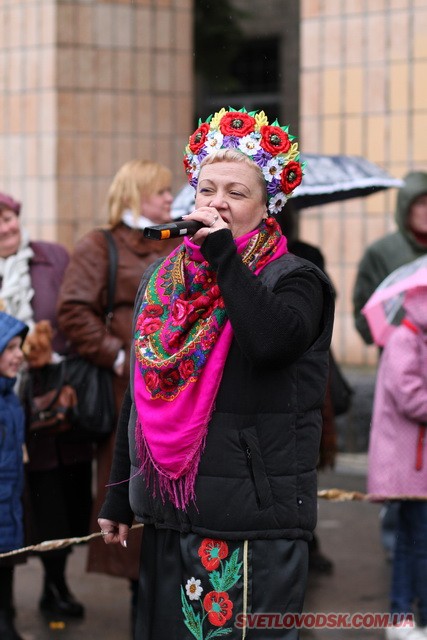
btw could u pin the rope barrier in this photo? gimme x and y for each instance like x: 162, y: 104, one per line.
x: 335, y: 495
x: 50, y: 545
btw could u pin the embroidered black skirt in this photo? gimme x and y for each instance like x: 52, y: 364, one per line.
x: 200, y: 588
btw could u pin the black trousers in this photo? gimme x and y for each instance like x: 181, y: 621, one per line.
x: 235, y: 578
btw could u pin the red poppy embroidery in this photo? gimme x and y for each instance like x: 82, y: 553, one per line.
x: 291, y: 176
x: 274, y: 140
x: 197, y: 139
x: 235, y: 123
x: 211, y: 553
x: 218, y: 606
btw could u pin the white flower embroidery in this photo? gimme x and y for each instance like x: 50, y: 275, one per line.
x: 193, y: 589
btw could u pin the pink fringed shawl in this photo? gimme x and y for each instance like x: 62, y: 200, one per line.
x: 182, y: 339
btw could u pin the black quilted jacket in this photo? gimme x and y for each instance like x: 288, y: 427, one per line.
x: 257, y: 475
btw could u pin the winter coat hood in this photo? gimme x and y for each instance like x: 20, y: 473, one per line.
x: 9, y: 328
x: 415, y: 185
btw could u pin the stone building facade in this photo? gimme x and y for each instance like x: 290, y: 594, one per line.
x: 88, y: 84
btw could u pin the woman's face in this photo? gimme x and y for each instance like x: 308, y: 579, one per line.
x: 157, y: 207
x: 10, y: 233
x: 234, y: 190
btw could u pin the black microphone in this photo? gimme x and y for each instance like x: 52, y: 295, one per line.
x: 173, y: 230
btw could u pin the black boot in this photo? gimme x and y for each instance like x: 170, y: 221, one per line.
x: 7, y: 628
x: 60, y: 601
x: 57, y: 599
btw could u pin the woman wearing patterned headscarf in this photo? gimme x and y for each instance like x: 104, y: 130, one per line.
x: 219, y: 433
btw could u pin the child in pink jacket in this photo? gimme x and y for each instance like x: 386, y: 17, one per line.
x: 397, y: 461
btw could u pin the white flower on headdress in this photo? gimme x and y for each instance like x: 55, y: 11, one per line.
x: 214, y: 141
x: 193, y: 589
x: 277, y: 202
x: 194, y: 163
x: 272, y: 169
x: 249, y: 145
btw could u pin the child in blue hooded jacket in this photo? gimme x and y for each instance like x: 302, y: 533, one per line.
x: 12, y: 436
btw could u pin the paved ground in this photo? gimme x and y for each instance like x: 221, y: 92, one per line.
x: 348, y: 533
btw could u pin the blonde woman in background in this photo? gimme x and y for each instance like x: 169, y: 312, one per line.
x: 139, y: 196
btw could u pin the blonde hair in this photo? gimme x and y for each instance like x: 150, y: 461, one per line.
x: 136, y: 179
x: 232, y: 155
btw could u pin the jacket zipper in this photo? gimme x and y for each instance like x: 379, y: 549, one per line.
x: 248, y: 454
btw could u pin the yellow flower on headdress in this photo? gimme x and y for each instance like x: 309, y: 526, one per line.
x: 261, y: 120
x: 214, y: 123
x: 293, y: 151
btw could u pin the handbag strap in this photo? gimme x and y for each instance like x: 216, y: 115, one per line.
x: 112, y: 273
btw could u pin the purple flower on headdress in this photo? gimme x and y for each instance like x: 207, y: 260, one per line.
x: 202, y: 154
x: 231, y: 142
x: 273, y: 187
x: 194, y: 180
x: 262, y: 157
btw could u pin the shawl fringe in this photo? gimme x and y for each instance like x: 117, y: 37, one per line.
x: 180, y: 491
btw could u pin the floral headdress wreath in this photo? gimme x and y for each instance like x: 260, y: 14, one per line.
x: 271, y: 147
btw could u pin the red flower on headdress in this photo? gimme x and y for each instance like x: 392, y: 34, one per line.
x: 198, y: 138
x: 274, y: 140
x: 187, y: 165
x: 291, y: 176
x: 235, y: 123
x: 211, y: 552
x: 218, y: 606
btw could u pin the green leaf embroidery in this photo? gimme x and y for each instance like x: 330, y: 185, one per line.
x: 192, y: 620
x: 230, y: 574
x: 215, y: 633
x: 215, y: 579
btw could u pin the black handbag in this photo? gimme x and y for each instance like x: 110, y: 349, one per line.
x: 74, y: 396
x: 341, y: 390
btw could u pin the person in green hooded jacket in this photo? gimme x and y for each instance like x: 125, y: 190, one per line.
x: 383, y: 256
x: 395, y: 249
